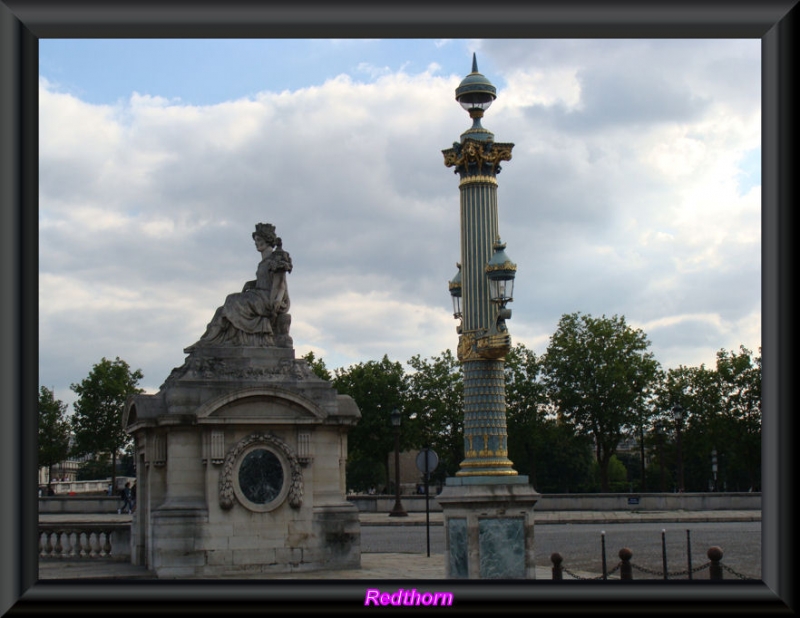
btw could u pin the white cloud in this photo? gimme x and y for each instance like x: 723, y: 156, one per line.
x: 541, y: 87
x: 634, y: 208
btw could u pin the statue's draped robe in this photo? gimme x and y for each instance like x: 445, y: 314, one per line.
x: 251, y: 317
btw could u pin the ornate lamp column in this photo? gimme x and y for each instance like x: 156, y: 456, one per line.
x: 483, y: 337
x: 488, y: 507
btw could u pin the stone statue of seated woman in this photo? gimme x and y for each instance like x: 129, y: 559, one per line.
x: 257, y: 316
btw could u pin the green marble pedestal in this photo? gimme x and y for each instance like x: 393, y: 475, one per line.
x: 488, y: 527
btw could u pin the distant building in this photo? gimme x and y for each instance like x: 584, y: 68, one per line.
x: 64, y: 471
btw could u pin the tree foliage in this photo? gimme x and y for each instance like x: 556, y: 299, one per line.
x: 526, y: 403
x: 599, y: 374
x: 317, y: 366
x: 378, y: 387
x: 97, y: 421
x: 740, y: 384
x: 722, y: 419
x: 94, y: 469
x: 435, y: 403
x: 548, y: 451
x: 54, y: 430
x: 568, y: 411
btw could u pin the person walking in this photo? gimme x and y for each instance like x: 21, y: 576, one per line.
x: 125, y: 494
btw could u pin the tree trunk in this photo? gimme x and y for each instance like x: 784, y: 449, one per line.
x: 603, y: 461
x: 602, y: 465
x: 529, y: 452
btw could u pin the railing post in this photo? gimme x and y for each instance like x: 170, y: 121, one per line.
x: 603, y: 545
x: 715, y: 555
x: 625, y: 568
x: 556, y: 559
x: 48, y: 545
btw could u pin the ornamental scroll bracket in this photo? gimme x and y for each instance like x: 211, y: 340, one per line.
x: 477, y: 158
x: 474, y: 346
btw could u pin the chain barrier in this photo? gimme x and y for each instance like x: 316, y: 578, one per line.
x: 576, y: 576
x: 672, y: 573
x: 625, y: 566
x: 731, y: 571
x: 659, y: 574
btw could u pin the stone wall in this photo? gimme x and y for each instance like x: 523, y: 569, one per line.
x: 416, y: 504
x: 589, y: 502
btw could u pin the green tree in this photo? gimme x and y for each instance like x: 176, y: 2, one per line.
x: 617, y: 476
x: 97, y: 422
x: 564, y: 459
x: 740, y: 387
x: 377, y: 387
x: 94, y: 469
x: 317, y: 366
x: 697, y: 391
x: 599, y: 374
x: 54, y: 431
x: 526, y: 402
x: 435, y: 403
x: 548, y: 451
x: 722, y: 415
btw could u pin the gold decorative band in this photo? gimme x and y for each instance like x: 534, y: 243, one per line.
x: 483, y: 463
x: 468, y: 180
x: 501, y: 452
x: 507, y: 265
x: 486, y: 473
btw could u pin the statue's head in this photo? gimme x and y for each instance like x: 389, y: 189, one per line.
x: 266, y: 231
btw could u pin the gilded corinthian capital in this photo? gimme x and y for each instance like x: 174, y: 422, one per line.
x: 475, y: 157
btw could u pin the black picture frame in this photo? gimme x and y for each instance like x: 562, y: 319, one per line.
x: 24, y: 22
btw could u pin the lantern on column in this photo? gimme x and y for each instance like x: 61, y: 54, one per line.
x: 501, y: 272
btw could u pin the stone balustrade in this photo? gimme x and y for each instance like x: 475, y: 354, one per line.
x: 76, y: 541
x: 66, y: 505
x: 71, y: 488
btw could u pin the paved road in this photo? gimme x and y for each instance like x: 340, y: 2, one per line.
x: 581, y: 546
x: 396, y: 546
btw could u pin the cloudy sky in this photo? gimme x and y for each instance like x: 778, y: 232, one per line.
x: 634, y: 189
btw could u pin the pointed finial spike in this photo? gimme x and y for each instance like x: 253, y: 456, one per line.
x: 474, y: 63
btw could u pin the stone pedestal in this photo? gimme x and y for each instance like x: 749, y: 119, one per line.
x: 489, y: 527
x: 241, y: 468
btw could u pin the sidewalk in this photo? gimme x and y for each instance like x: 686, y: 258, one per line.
x: 436, y: 517
x: 578, y: 517
x: 411, y: 566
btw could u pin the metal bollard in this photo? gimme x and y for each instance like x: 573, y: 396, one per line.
x: 664, y: 552
x: 558, y: 572
x: 715, y: 555
x: 625, y: 567
x: 603, y: 544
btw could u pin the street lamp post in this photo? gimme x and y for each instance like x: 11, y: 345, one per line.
x: 397, y: 510
x: 660, y: 434
x: 677, y: 414
x: 482, y: 287
x: 714, y: 467
x: 641, y: 450
x: 487, y: 498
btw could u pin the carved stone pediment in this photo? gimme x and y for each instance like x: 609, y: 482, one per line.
x: 268, y: 405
